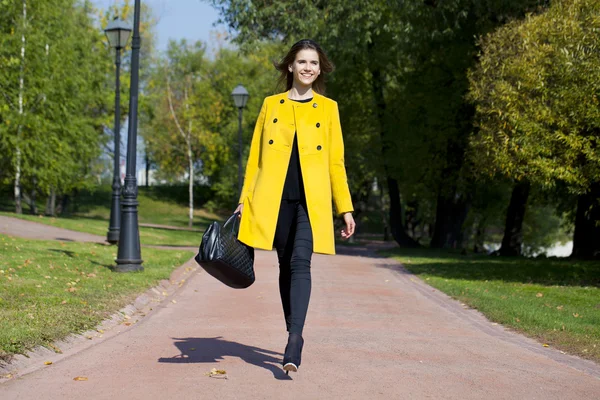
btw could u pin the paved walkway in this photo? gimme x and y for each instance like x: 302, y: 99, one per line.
x: 373, y: 332
x: 33, y: 230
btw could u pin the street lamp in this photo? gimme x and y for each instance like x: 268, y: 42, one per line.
x: 240, y: 98
x: 117, y: 33
x: 129, y: 256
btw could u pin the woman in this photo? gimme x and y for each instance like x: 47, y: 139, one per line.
x: 295, y: 167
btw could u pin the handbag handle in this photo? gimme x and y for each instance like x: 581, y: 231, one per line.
x: 234, y: 215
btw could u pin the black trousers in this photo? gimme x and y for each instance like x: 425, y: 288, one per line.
x: 294, y: 244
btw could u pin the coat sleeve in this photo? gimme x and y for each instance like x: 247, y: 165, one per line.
x: 252, y: 164
x: 337, y: 169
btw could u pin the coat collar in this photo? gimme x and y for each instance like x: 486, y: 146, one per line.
x: 317, y: 98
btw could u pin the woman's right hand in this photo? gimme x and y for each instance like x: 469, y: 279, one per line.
x: 239, y: 209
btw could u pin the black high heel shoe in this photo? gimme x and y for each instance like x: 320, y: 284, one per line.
x: 293, y: 353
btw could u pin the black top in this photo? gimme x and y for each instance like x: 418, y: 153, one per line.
x: 293, y: 189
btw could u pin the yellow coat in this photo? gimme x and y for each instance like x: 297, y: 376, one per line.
x: 321, y: 150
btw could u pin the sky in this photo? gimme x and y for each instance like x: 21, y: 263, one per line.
x: 177, y: 19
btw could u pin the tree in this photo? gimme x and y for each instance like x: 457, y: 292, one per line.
x: 51, y: 51
x: 536, y: 95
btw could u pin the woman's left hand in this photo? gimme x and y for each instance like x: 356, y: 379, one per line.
x: 350, y: 225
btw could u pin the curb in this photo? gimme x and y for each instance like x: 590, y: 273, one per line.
x: 121, y: 321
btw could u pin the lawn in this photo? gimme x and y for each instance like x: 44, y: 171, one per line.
x: 49, y: 289
x: 556, y: 301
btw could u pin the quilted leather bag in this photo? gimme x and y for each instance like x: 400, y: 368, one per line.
x: 224, y: 257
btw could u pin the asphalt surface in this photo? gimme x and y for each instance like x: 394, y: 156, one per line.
x: 373, y: 332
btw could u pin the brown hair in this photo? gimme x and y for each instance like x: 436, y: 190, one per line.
x: 288, y: 78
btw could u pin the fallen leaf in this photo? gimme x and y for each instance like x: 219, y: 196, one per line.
x: 545, y: 345
x: 80, y: 378
x: 48, y: 363
x: 71, y: 289
x: 559, y: 307
x: 56, y: 349
x: 576, y: 315
x: 217, y: 373
x: 91, y: 275
x: 539, y: 295
x: 63, y: 302
x: 173, y: 301
x: 126, y: 323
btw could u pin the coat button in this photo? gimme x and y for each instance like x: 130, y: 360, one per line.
x: 271, y: 141
x: 282, y: 101
x: 275, y: 120
x: 314, y: 105
x: 319, y: 147
x: 318, y: 124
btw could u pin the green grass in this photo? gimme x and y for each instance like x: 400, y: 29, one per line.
x: 155, y: 207
x: 49, y: 289
x: 556, y: 301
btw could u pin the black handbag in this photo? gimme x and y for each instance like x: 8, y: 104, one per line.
x: 224, y: 257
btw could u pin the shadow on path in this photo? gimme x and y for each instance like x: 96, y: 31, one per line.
x: 364, y: 248
x: 210, y: 350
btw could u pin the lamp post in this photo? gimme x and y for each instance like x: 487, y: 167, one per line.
x: 117, y: 33
x: 129, y: 256
x: 240, y: 98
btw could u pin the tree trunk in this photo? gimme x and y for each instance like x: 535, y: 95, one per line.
x: 512, y: 242
x: 33, y: 206
x: 384, y: 219
x: 65, y: 200
x: 479, y: 237
x: 51, y: 203
x: 17, y: 187
x: 450, y: 215
x: 147, y: 168
x: 586, y: 238
x: 453, y: 200
x: 191, y: 184
x: 397, y: 227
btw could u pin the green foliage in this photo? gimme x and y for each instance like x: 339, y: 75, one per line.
x: 201, y: 96
x: 536, y: 93
x: 59, y: 56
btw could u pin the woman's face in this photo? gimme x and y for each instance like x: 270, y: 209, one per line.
x: 306, y: 67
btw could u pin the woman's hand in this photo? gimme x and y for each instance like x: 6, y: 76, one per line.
x: 350, y: 225
x: 239, y: 208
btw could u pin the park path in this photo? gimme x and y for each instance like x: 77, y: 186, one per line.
x: 34, y: 230
x: 373, y: 332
